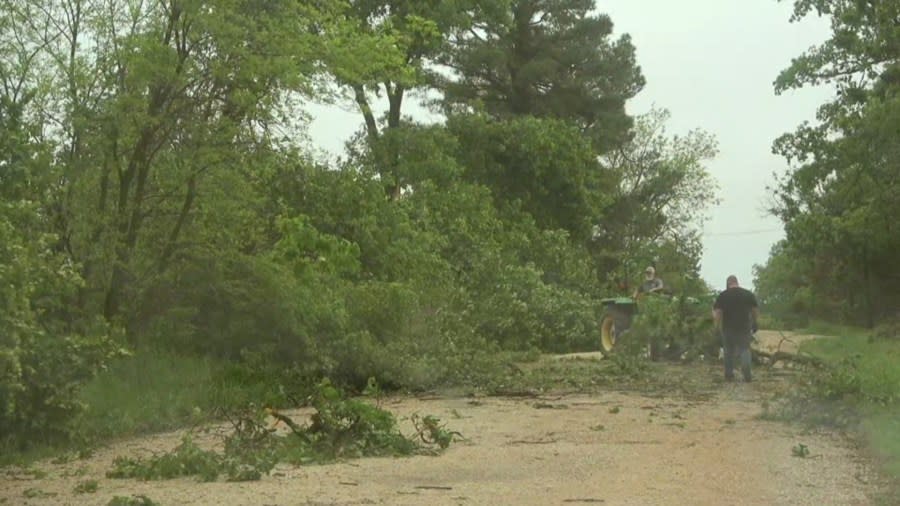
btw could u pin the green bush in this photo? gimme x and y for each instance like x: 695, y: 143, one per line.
x: 840, y: 381
x: 512, y: 305
x: 185, y: 460
x: 343, y: 427
x: 47, y: 351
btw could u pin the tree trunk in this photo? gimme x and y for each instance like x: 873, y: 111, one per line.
x: 366, y: 109
x: 395, y: 100
x: 189, y: 197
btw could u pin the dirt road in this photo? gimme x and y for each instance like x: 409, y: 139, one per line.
x: 612, y: 448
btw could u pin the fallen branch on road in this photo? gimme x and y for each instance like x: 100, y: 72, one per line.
x: 783, y: 356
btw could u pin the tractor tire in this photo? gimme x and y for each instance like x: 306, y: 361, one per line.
x: 608, y: 334
x: 613, y: 325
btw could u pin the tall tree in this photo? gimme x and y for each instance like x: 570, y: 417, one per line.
x: 783, y: 287
x: 416, y: 28
x: 151, y: 104
x: 48, y: 348
x: 412, y: 34
x: 837, y: 198
x: 663, y: 193
x: 546, y: 58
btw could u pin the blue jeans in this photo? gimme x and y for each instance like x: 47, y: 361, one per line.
x: 736, y: 346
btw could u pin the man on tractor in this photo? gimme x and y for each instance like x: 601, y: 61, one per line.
x: 616, y: 319
x: 651, y: 283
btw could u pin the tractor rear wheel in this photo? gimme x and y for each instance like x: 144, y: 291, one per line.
x: 613, y: 325
x: 608, y: 334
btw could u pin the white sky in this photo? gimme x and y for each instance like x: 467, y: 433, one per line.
x: 712, y: 64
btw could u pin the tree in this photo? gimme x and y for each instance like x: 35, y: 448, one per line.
x: 546, y: 58
x: 663, y: 193
x: 399, y: 39
x: 415, y: 31
x: 837, y: 198
x: 151, y: 105
x: 545, y: 166
x: 48, y: 348
x: 783, y: 287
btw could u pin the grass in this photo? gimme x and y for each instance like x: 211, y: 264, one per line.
x: 875, y: 365
x: 156, y: 390
x: 821, y: 328
x: 868, y: 373
x: 152, y: 391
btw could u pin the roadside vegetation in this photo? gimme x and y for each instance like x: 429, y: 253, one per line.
x: 172, y: 248
x: 857, y: 389
x: 865, y: 381
x: 339, y: 429
x: 837, y: 202
x: 173, y: 252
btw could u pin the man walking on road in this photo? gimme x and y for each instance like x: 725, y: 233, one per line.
x: 735, y: 312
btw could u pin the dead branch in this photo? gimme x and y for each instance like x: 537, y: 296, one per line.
x: 286, y: 420
x: 784, y: 339
x: 783, y: 356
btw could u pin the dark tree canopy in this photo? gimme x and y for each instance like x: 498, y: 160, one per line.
x: 547, y: 58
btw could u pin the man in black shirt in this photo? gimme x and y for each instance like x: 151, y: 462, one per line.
x: 735, y: 312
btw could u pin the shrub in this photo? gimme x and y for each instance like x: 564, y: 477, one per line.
x: 47, y: 351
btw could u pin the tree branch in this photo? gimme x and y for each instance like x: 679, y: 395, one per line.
x: 363, y: 102
x: 189, y: 197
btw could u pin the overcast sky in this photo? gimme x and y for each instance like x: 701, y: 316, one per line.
x: 711, y: 63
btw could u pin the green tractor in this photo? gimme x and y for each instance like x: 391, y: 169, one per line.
x: 670, y: 324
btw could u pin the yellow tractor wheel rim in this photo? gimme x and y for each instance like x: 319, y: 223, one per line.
x: 608, y: 333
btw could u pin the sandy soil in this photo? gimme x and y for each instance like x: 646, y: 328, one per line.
x: 614, y: 448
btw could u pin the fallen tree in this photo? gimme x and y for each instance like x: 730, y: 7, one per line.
x: 771, y: 358
x: 783, y: 356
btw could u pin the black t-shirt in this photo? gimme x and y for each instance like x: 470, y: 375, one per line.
x: 736, y: 304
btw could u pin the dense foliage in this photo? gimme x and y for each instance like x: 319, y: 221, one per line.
x: 673, y: 327
x: 839, y: 200
x: 156, y: 191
